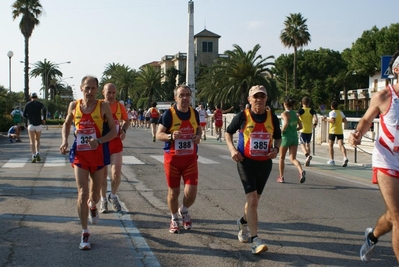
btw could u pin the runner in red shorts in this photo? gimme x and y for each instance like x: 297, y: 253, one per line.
x: 115, y: 149
x: 87, y: 153
x: 218, y: 119
x: 179, y: 129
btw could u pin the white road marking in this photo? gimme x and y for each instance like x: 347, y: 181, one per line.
x: 206, y: 161
x: 159, y: 158
x: 16, y: 163
x: 55, y: 162
x: 131, y: 160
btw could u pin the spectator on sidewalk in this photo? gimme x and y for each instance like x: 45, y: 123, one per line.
x: 309, y: 120
x: 384, y: 103
x: 13, y: 133
x: 16, y: 115
x: 336, y: 118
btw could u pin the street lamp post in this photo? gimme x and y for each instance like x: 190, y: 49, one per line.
x: 9, y: 54
x: 48, y: 74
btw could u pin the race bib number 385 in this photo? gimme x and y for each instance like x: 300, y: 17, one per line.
x: 259, y: 144
x: 83, y: 136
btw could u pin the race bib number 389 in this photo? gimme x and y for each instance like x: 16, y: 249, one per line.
x: 83, y: 136
x: 259, y: 144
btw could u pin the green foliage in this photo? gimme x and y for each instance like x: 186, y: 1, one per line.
x: 367, y: 50
x: 148, y: 83
x: 295, y: 34
x: 229, y: 78
x: 30, y: 10
x: 322, y: 74
x: 49, y: 72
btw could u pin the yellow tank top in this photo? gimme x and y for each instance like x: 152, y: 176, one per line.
x: 336, y: 128
x: 306, y: 119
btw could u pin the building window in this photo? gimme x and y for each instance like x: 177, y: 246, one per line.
x: 207, y: 47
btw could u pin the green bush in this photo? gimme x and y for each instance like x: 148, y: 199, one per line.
x: 5, y: 123
x: 55, y: 122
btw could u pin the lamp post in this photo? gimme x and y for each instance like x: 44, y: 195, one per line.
x: 9, y: 54
x: 48, y: 74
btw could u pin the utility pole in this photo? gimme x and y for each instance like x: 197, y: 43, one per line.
x: 190, y: 71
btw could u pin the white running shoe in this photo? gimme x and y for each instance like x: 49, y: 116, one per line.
x: 187, y: 223
x: 258, y: 246
x: 85, y: 242
x: 366, y: 251
x: 243, y: 232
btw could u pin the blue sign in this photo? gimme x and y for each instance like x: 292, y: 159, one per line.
x: 385, y: 72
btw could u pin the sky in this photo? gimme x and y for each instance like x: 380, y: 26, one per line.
x: 94, y: 33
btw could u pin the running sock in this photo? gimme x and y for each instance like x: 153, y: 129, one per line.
x: 175, y: 216
x: 85, y: 231
x: 242, y: 221
x: 103, y: 199
x: 112, y: 195
x: 253, y: 237
x: 373, y: 238
x: 183, y: 209
x: 91, y: 205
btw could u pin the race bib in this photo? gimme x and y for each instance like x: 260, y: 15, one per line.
x: 184, y: 145
x: 259, y: 144
x: 117, y: 126
x: 82, y: 138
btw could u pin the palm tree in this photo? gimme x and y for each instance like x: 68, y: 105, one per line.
x: 122, y: 76
x: 49, y: 72
x: 230, y: 77
x: 148, y: 82
x: 295, y: 34
x: 30, y: 10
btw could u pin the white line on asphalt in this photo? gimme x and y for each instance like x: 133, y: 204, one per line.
x: 143, y: 254
x: 225, y: 156
x: 16, y: 163
x: 159, y: 158
x: 131, y: 160
x: 55, y: 162
x: 206, y: 161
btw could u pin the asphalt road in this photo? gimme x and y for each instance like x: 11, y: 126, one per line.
x: 318, y: 223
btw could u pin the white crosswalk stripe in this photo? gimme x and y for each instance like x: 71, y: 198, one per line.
x: 157, y: 157
x: 16, y: 163
x: 55, y: 162
x: 131, y: 160
x: 206, y: 161
x: 50, y: 162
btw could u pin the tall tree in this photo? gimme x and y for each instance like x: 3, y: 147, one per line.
x: 30, y: 10
x: 229, y: 78
x: 122, y: 76
x: 148, y: 81
x: 49, y: 73
x: 295, y: 34
x: 366, y: 51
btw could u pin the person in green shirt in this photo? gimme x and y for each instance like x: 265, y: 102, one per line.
x: 289, y: 139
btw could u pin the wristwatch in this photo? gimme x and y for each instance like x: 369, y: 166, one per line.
x: 99, y: 141
x: 170, y: 137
